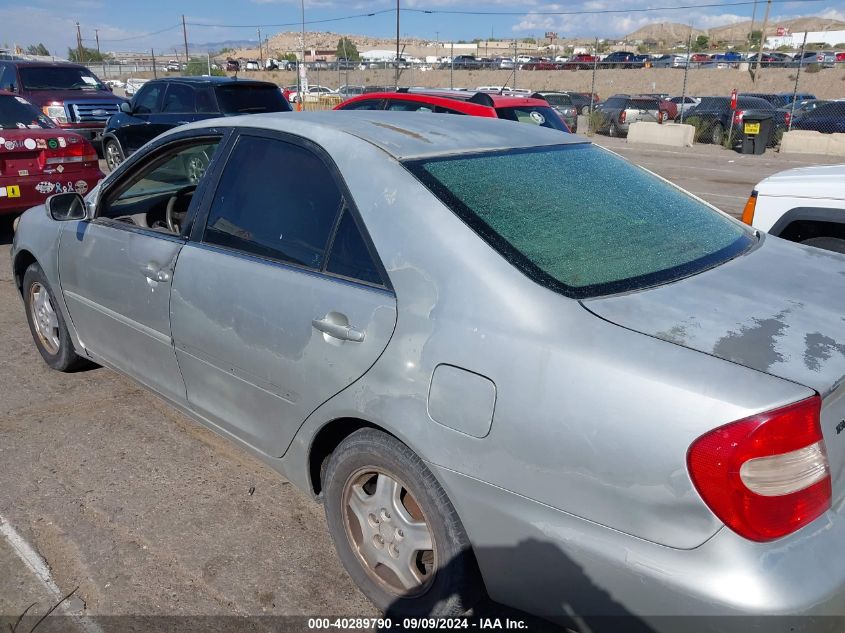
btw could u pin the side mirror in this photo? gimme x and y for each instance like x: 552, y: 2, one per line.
x: 126, y: 107
x: 66, y: 206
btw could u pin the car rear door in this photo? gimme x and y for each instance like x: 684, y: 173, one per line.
x: 279, y: 303
x: 139, y: 127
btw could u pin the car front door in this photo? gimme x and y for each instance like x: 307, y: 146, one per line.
x: 116, y: 269
x: 279, y: 302
x: 139, y: 128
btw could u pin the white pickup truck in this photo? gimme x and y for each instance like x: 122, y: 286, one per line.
x: 804, y: 205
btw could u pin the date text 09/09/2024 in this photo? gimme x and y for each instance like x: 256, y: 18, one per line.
x: 418, y: 623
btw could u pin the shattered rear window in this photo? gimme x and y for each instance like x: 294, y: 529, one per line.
x: 582, y: 220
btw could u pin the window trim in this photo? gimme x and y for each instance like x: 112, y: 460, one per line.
x: 347, y: 204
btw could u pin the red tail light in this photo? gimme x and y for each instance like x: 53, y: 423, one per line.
x: 765, y: 476
x: 738, y: 116
x: 81, y: 152
x: 787, y: 119
x: 622, y: 116
x: 661, y: 116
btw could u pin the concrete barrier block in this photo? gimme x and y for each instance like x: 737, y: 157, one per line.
x: 810, y: 142
x: 672, y: 134
x: 583, y: 123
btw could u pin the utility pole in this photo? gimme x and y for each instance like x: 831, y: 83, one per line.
x: 300, y: 67
x: 260, y: 50
x: 751, y: 30
x: 686, y: 72
x: 153, y: 57
x: 396, y: 69
x: 79, y: 44
x: 97, y: 37
x: 185, y: 36
x: 762, y: 39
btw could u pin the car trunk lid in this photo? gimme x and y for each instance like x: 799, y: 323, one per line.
x: 778, y: 309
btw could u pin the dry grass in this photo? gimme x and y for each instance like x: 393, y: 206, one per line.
x: 826, y: 84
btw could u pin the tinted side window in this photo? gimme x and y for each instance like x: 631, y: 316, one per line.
x: 179, y: 98
x: 367, y: 104
x: 409, y: 106
x: 275, y: 200
x: 350, y: 256
x: 8, y: 81
x: 148, y: 99
x: 615, y: 102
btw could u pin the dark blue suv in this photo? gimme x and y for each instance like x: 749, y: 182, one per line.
x: 162, y: 104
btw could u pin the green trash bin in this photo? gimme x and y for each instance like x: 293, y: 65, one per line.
x: 756, y: 132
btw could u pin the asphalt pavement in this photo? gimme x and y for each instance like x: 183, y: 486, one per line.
x: 136, y: 510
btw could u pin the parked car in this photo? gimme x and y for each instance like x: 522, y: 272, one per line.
x: 698, y: 58
x: 828, y: 118
x: 802, y: 108
x: 70, y: 94
x: 483, y: 104
x: 669, y: 61
x: 344, y: 92
x: 37, y: 158
x: 466, y: 62
x: 542, y: 65
x: 488, y: 396
x: 313, y: 94
x: 619, y: 111
x: 583, y: 100
x: 825, y: 59
x: 163, y: 104
x: 781, y: 99
x: 771, y: 60
x: 582, y: 61
x: 115, y: 83
x: 504, y: 63
x: 173, y: 66
x: 563, y: 105
x: 252, y: 64
x: 620, y: 59
x: 804, y: 205
x: 233, y: 65
x: 685, y: 104
x: 714, y: 116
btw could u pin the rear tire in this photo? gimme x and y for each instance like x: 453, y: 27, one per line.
x: 835, y: 244
x: 384, y: 509
x: 46, y: 322
x: 613, y: 130
x: 717, y: 134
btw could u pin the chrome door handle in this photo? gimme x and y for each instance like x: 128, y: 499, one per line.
x: 335, y: 330
x: 156, y: 274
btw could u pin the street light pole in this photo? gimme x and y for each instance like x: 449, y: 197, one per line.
x: 396, y: 69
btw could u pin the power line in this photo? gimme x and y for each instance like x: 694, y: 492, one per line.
x: 603, y: 11
x: 340, y: 19
x: 137, y: 37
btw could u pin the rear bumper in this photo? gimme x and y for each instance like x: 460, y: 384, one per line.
x: 93, y: 135
x: 34, y: 190
x: 557, y: 566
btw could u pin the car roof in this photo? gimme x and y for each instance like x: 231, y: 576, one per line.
x: 498, y: 100
x: 28, y: 62
x: 211, y: 80
x: 402, y: 135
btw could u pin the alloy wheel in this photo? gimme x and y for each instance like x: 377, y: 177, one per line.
x: 44, y: 318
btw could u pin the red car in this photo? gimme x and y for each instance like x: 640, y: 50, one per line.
x: 542, y: 65
x: 509, y: 107
x: 699, y: 57
x: 38, y: 159
x: 584, y: 61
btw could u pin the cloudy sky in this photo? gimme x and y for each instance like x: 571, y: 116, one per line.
x: 131, y: 25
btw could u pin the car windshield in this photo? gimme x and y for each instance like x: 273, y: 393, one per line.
x: 584, y: 236
x: 250, y: 98
x: 17, y: 113
x: 537, y: 115
x: 59, y: 78
x: 643, y: 104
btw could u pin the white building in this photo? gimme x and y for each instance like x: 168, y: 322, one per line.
x: 795, y: 40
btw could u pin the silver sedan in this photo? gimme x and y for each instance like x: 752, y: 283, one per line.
x: 501, y: 369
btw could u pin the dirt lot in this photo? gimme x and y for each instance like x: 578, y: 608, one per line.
x: 829, y: 83
x: 148, y: 513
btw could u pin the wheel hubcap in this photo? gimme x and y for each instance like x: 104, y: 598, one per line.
x: 112, y: 156
x: 388, y: 530
x: 44, y: 318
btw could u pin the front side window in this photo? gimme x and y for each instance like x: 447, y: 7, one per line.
x: 275, y: 200
x: 168, y: 181
x: 366, y: 104
x: 148, y: 99
x: 409, y: 106
x: 586, y: 236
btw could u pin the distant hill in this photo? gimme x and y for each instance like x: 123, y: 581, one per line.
x: 665, y: 32
x: 739, y: 32
x: 672, y: 32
